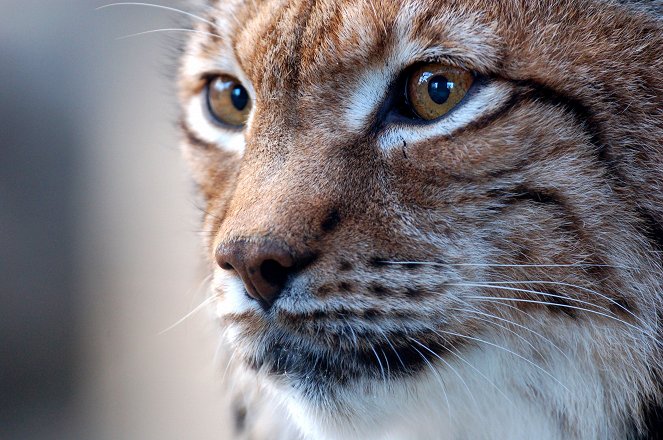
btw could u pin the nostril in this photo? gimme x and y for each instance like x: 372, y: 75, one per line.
x: 263, y: 265
x: 273, y: 272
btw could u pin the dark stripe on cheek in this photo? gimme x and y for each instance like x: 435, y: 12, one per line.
x: 573, y: 224
x: 545, y: 94
x: 653, y: 230
x: 584, y: 116
x: 538, y: 196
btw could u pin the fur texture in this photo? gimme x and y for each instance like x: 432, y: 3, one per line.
x: 493, y: 274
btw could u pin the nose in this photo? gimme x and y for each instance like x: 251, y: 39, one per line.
x: 263, y: 265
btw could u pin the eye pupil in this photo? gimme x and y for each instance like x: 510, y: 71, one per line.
x: 439, y: 89
x: 239, y: 97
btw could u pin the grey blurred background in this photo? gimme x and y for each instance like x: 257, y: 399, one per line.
x: 98, y: 250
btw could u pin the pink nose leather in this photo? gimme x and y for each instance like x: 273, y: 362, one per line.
x: 263, y: 265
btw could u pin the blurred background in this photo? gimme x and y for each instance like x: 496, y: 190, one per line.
x: 98, y: 249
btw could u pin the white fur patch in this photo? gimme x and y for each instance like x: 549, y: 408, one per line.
x: 198, y: 120
x: 234, y: 298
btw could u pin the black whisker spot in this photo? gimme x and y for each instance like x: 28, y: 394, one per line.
x: 331, y: 221
x: 324, y: 290
x: 345, y: 266
x: 378, y: 289
x: 378, y: 262
x: 345, y: 287
x: 371, y: 314
x: 413, y: 291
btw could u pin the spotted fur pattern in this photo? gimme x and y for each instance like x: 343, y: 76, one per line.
x: 493, y: 274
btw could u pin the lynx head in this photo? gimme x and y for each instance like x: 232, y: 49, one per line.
x: 435, y: 208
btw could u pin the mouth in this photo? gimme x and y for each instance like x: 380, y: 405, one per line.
x: 320, y: 358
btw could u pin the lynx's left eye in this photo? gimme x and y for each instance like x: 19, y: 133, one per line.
x: 432, y: 90
x: 228, y: 101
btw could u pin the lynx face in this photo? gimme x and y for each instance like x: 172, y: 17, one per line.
x: 449, y: 212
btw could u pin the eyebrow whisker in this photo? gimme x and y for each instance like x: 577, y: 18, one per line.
x: 153, y: 31
x: 152, y: 5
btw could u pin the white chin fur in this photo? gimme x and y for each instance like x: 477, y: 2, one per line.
x: 488, y: 394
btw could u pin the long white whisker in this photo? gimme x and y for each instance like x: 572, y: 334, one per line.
x: 151, y: 5
x: 532, y: 301
x: 448, y: 365
x: 386, y: 361
x: 188, y: 315
x: 455, y: 352
x: 502, y: 326
x: 195, y: 309
x: 579, y: 265
x: 535, y: 292
x: 230, y: 361
x: 581, y: 288
x: 154, y: 31
x: 508, y: 351
x: 492, y: 316
x: 384, y: 378
x: 392, y: 348
x: 439, y: 379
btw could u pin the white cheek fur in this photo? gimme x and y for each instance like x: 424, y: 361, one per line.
x: 198, y: 121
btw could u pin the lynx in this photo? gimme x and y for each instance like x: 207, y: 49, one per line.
x: 433, y: 219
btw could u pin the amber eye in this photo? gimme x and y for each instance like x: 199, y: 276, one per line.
x: 432, y: 90
x: 228, y: 101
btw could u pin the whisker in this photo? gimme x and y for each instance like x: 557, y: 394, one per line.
x: 455, y: 352
x: 438, y: 378
x: 151, y: 5
x: 384, y: 378
x: 205, y: 280
x: 492, y: 316
x: 508, y: 351
x: 502, y: 326
x: 535, y: 292
x: 230, y: 361
x: 579, y: 265
x: 581, y: 288
x: 532, y: 301
x: 188, y: 315
x: 386, y: 361
x: 448, y: 365
x: 154, y: 31
x: 392, y: 348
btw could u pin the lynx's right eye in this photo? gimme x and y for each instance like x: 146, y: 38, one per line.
x: 228, y: 102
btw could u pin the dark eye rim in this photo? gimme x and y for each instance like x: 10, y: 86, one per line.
x: 208, y: 79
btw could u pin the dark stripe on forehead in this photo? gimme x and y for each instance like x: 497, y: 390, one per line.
x: 278, y: 47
